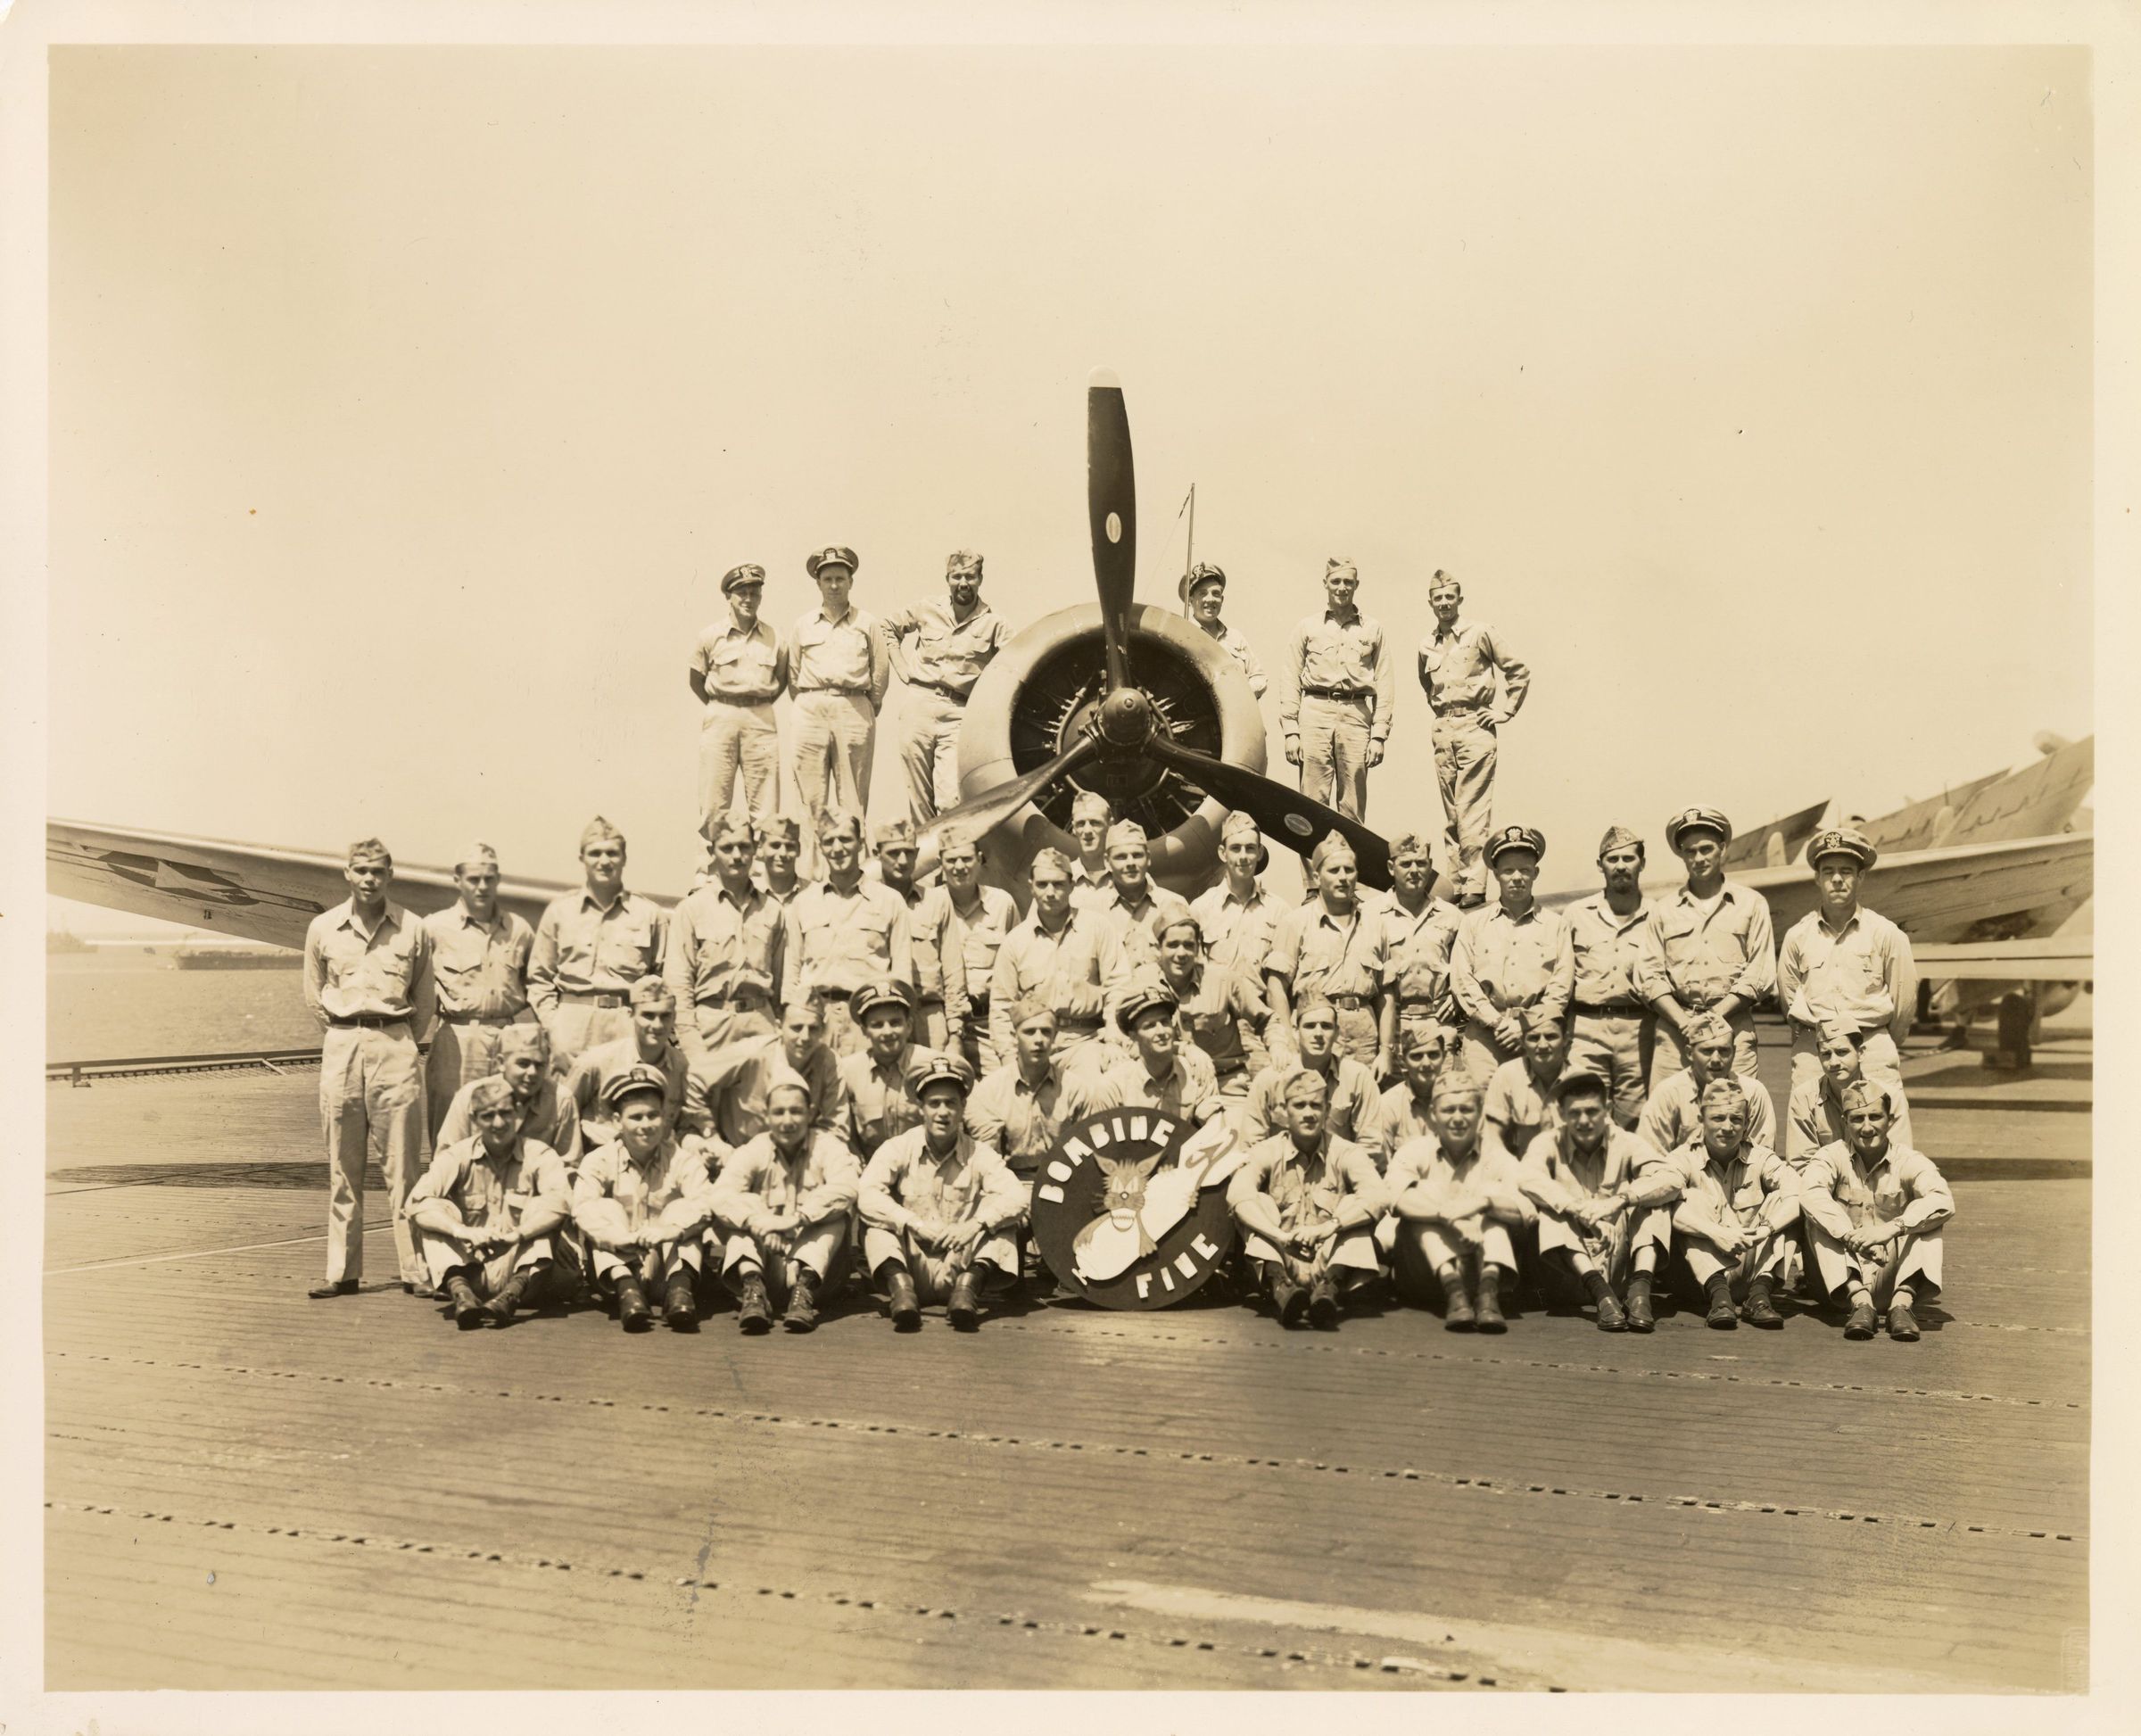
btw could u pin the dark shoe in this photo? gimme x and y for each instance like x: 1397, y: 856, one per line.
x: 342, y: 1287
x: 1610, y: 1317
x: 633, y: 1312
x: 1862, y: 1323
x: 1290, y: 1299
x: 1903, y: 1324
x: 1488, y: 1308
x: 501, y: 1306
x: 802, y: 1314
x: 1323, y: 1305
x: 1639, y: 1317
x: 1722, y: 1315
x: 1457, y: 1308
x: 754, y: 1312
x: 680, y: 1307
x: 1760, y: 1311
x: 963, y: 1308
x: 900, y: 1301
x: 469, y: 1310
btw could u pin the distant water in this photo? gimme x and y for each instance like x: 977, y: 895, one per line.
x: 111, y: 1005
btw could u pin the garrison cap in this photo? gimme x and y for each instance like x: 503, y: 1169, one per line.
x: 1697, y: 819
x: 783, y: 825
x: 885, y: 993
x: 1619, y: 838
x: 1127, y: 831
x: 1842, y: 840
x: 1580, y: 1078
x: 490, y: 1092
x: 722, y: 826
x: 1436, y: 1040
x: 1238, y: 824
x: 1706, y: 1029
x: 1832, y: 1031
x: 1534, y: 1016
x: 963, y: 560
x: 369, y: 849
x: 599, y: 831
x: 1202, y: 573
x: 1090, y: 802
x: 1864, y: 1093
x: 1727, y: 1084
x: 474, y: 853
x: 1028, y: 1007
x: 933, y: 1068
x: 1453, y: 1083
x: 1411, y: 843
x: 1337, y: 566
x: 652, y: 991
x: 523, y: 1039
x: 1140, y: 1001
x: 831, y: 555
x: 893, y: 832
x: 1516, y: 837
x: 1439, y: 579
x: 1328, y: 846
x: 631, y: 1081
x: 736, y: 577
x: 786, y: 1078
x: 836, y: 822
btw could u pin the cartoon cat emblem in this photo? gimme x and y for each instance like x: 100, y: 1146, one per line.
x: 1139, y: 1208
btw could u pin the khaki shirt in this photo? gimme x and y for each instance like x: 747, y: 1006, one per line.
x: 1609, y: 950
x: 548, y: 1118
x: 1223, y: 1015
x: 1734, y: 1193
x: 847, y: 656
x: 1229, y: 640
x: 1673, y: 1114
x: 971, y: 1182
x: 1501, y: 961
x: 1350, y: 1104
x: 976, y: 936
x: 1237, y: 930
x: 940, y: 961
x: 619, y: 1199
x: 1701, y: 957
x: 1312, y: 949
x: 1410, y: 938
x: 1863, y: 973
x: 1188, y: 1091
x: 582, y: 947
x: 1020, y: 1120
x: 1558, y: 1176
x: 948, y: 652
x: 1518, y: 1105
x: 1842, y: 1191
x: 1457, y: 670
x: 1069, y: 970
x: 1430, y: 1185
x: 719, y: 943
x: 743, y: 1073
x: 526, y: 1190
x: 481, y: 968
x: 383, y: 972
x: 879, y: 1102
x: 741, y: 668
x: 848, y: 940
x: 597, y: 1067
x: 1335, y: 1183
x: 1350, y: 656
x: 816, y: 1183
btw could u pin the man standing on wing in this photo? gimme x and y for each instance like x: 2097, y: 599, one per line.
x: 1458, y: 666
x: 738, y: 668
x: 1336, y: 696
x: 952, y: 642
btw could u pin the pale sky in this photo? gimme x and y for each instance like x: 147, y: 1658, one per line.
x: 407, y: 404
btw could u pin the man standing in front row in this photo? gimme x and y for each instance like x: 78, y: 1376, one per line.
x: 1510, y: 955
x: 591, y: 946
x: 1336, y: 696
x: 840, y: 670
x: 1707, y: 948
x: 1611, y: 1028
x: 479, y: 956
x: 739, y: 669
x: 369, y: 981
x: 953, y: 643
x: 1847, y: 965
x: 1458, y: 663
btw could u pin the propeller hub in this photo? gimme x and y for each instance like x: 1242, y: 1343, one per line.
x: 1126, y: 718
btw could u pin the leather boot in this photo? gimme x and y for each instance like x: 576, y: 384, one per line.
x: 1760, y: 1311
x: 802, y: 1314
x: 1323, y: 1304
x: 1639, y: 1317
x: 1457, y: 1308
x: 1722, y: 1315
x: 900, y: 1300
x: 507, y: 1298
x: 1289, y: 1300
x: 469, y: 1310
x: 963, y: 1308
x: 1863, y: 1322
x: 633, y: 1312
x: 754, y: 1312
x: 1488, y: 1308
x: 680, y: 1307
x: 1902, y: 1323
x: 1610, y: 1317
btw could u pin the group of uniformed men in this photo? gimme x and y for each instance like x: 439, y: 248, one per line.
x: 782, y: 1080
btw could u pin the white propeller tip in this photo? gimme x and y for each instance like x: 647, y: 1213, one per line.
x: 1102, y: 379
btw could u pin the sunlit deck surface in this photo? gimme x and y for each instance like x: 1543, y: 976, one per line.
x: 247, y: 1490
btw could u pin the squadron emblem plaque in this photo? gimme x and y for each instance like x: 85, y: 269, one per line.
x: 1129, y: 1211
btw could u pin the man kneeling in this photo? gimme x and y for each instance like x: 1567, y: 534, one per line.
x: 1593, y: 1182
x: 1874, y: 1210
x: 642, y: 1204
x: 939, y: 1208
x: 482, y: 1214
x: 1737, y: 1198
x: 1453, y: 1204
x: 783, y: 1201
x: 1307, y: 1203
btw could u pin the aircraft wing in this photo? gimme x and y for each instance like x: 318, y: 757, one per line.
x: 2040, y: 958
x: 1750, y: 849
x: 258, y: 891
x: 1928, y: 891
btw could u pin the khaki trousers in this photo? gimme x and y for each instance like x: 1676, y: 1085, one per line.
x: 460, y: 1053
x: 444, y: 1254
x: 1618, y: 1046
x: 739, y: 741
x: 934, y: 1273
x: 1464, y: 771
x: 371, y: 1101
x: 836, y: 735
x: 1334, y: 752
x: 929, y: 752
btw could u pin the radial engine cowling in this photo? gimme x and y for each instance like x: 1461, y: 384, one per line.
x: 1039, y: 693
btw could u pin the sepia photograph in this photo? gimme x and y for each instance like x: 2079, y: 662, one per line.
x: 1061, y: 850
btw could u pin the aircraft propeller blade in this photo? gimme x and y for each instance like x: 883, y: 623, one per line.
x: 1111, y: 504
x: 983, y: 814
x: 1285, y: 814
